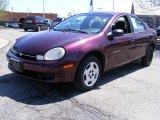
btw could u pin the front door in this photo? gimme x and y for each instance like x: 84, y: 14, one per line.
x: 120, y: 47
x: 118, y: 51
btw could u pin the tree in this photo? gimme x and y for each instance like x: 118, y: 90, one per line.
x: 3, y: 6
x: 149, y: 7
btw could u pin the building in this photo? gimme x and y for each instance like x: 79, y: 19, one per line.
x: 15, y: 16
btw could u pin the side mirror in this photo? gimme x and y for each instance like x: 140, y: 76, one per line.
x: 115, y: 33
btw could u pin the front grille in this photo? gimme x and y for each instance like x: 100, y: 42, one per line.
x: 25, y: 56
x: 19, y: 54
x: 33, y: 74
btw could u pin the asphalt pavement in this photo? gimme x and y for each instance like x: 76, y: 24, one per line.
x: 3, y: 42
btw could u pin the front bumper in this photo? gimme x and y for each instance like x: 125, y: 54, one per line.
x: 41, y: 70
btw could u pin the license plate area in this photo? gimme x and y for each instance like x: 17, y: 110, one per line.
x: 16, y: 65
x: 29, y: 21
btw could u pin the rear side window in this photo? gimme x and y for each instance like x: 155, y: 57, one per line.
x: 138, y: 26
x: 57, y: 20
x: 38, y: 18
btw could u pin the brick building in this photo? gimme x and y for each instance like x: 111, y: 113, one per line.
x: 15, y: 16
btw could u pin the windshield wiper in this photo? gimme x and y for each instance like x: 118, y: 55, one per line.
x: 83, y: 31
x: 75, y: 30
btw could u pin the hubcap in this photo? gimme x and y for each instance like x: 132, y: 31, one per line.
x: 91, y: 74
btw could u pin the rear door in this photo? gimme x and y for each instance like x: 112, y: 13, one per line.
x: 141, y: 38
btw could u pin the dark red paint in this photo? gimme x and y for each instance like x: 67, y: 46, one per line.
x: 113, y: 53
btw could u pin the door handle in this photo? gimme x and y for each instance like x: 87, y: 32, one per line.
x: 131, y: 41
x: 116, y: 51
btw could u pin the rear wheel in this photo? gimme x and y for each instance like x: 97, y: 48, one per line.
x: 39, y: 28
x: 88, y: 73
x: 147, y: 59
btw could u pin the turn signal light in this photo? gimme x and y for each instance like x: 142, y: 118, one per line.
x: 68, y: 66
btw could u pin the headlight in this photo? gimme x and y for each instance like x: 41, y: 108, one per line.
x: 54, y: 54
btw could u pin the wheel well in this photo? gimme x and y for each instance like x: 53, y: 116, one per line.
x: 99, y: 55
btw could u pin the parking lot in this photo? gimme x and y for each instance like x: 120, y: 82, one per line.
x: 131, y: 92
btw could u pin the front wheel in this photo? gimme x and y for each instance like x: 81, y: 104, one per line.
x: 147, y: 59
x: 88, y: 73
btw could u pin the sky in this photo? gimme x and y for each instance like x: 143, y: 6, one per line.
x: 62, y: 7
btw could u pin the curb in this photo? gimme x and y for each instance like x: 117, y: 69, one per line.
x: 3, y: 42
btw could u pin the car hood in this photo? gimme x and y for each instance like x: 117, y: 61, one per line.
x: 41, y: 42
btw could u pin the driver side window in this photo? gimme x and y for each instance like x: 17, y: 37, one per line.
x: 123, y: 24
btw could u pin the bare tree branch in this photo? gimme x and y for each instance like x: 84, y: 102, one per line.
x: 150, y: 7
x: 3, y: 6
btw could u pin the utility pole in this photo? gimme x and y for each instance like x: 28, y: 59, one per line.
x: 113, y: 5
x: 27, y: 11
x: 12, y: 13
x: 43, y: 9
x: 91, y: 6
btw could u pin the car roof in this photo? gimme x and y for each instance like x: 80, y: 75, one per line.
x: 107, y: 12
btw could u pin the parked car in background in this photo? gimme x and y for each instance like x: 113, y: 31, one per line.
x: 158, y: 31
x: 55, y: 21
x: 49, y: 22
x: 81, y: 53
x: 6, y: 24
x: 37, y: 23
x: 13, y: 25
x: 21, y: 22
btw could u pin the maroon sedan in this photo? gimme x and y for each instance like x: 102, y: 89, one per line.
x: 82, y: 47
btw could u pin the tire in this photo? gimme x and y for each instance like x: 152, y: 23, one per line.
x: 26, y: 29
x: 48, y: 28
x: 39, y: 28
x: 147, y: 59
x: 87, y: 74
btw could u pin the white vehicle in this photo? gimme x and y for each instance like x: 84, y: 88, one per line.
x: 49, y: 22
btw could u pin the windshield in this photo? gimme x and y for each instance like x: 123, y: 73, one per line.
x: 86, y: 23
